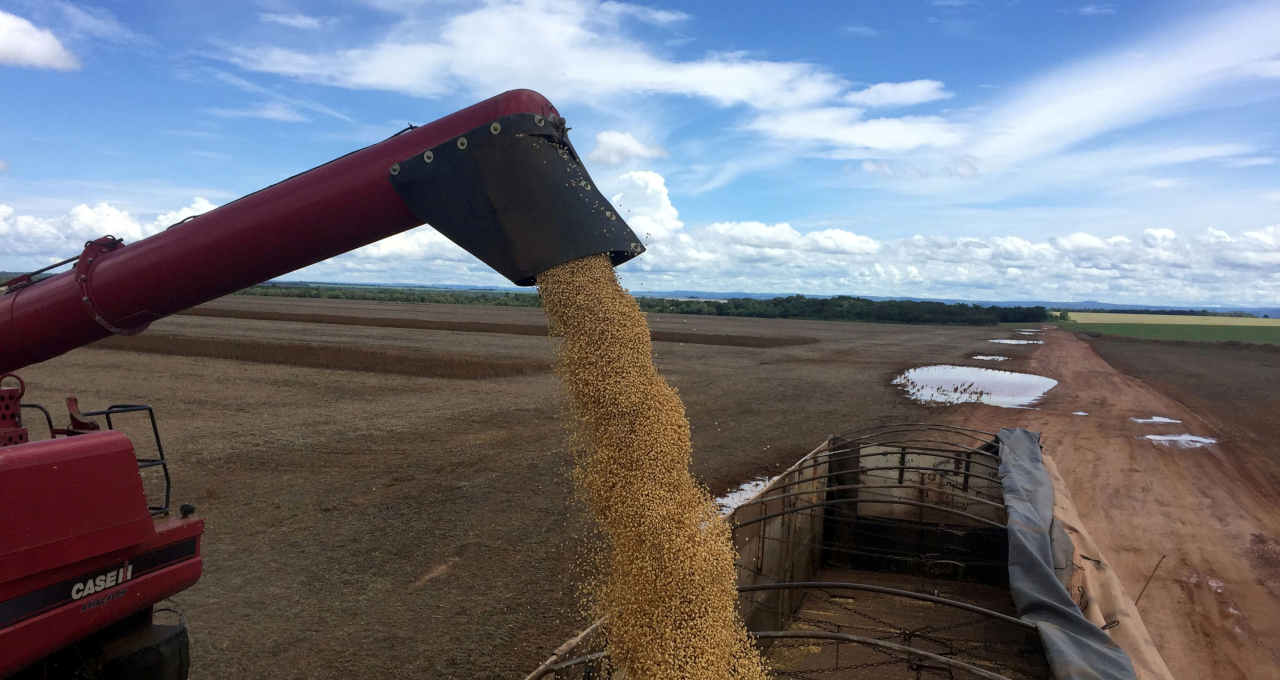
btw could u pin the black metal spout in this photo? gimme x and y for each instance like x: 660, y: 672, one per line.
x: 515, y: 194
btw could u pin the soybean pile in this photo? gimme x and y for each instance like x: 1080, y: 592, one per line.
x: 666, y: 582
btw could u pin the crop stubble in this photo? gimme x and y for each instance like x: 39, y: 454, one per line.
x: 667, y: 583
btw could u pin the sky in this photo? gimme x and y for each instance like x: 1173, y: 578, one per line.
x: 974, y: 149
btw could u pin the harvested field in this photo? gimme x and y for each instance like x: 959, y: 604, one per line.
x: 1185, y: 332
x: 402, y: 362
x: 726, y: 340
x: 1231, y: 387
x: 369, y: 524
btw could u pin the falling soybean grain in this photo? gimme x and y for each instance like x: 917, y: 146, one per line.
x: 667, y: 582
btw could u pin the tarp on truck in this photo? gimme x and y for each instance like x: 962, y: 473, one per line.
x: 1075, y: 647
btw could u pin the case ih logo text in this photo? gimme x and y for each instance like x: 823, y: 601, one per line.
x: 101, y: 582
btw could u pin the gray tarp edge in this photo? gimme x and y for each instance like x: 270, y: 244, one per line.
x: 1074, y: 646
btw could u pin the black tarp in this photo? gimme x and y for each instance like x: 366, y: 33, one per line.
x: 1075, y: 648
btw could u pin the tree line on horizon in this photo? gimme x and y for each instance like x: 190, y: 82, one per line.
x: 838, y: 308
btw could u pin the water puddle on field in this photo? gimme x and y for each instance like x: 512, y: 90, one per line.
x: 1006, y: 341
x: 1022, y: 332
x: 1155, y: 419
x: 1079, y: 413
x: 1182, y: 441
x: 745, y: 492
x: 989, y: 357
x: 965, y: 384
x: 1027, y: 330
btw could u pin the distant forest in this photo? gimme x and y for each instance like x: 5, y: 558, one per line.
x: 840, y: 308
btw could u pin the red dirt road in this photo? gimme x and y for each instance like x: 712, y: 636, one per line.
x: 1213, y: 608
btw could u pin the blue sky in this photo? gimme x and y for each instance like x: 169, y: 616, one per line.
x: 1119, y: 151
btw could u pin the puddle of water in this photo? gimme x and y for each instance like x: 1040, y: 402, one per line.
x: 961, y: 384
x: 1182, y: 441
x: 745, y: 492
x: 1027, y: 330
x: 1005, y: 341
x: 1079, y: 413
x: 1155, y: 419
x: 989, y: 357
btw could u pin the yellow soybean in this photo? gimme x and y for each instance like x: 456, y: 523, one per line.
x: 666, y: 581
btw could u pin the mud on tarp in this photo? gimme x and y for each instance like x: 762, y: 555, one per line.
x: 1074, y: 646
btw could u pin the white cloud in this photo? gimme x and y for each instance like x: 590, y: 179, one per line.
x: 197, y: 206
x: 1150, y: 79
x: 877, y: 168
x: 861, y: 31
x: 1268, y: 68
x: 302, y: 22
x: 589, y: 55
x: 644, y: 202
x: 47, y: 239
x: 841, y: 241
x: 95, y: 22
x: 290, y: 102
x: 420, y: 243
x: 898, y: 94
x: 274, y: 110
x: 1249, y: 161
x: 846, y: 130
x: 1154, y: 238
x: 1164, y: 183
x: 1095, y: 10
x: 584, y: 56
x: 757, y: 235
x: 1272, y: 196
x: 649, y: 15
x: 1079, y: 241
x: 614, y: 147
x: 23, y: 44
x: 1158, y: 266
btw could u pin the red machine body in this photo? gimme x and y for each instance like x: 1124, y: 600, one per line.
x: 83, y: 557
x: 74, y: 561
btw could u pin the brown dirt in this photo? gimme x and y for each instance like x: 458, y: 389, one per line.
x: 1213, y: 609
x: 367, y: 525
x: 1231, y: 385
x: 220, y: 309
x: 404, y: 362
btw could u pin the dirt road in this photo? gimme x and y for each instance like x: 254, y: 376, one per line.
x: 1213, y: 608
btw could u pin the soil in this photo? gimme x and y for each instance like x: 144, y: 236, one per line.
x: 376, y: 522
x: 387, y: 523
x: 1213, y: 608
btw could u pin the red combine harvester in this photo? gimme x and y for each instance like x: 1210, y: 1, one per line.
x: 84, y: 558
